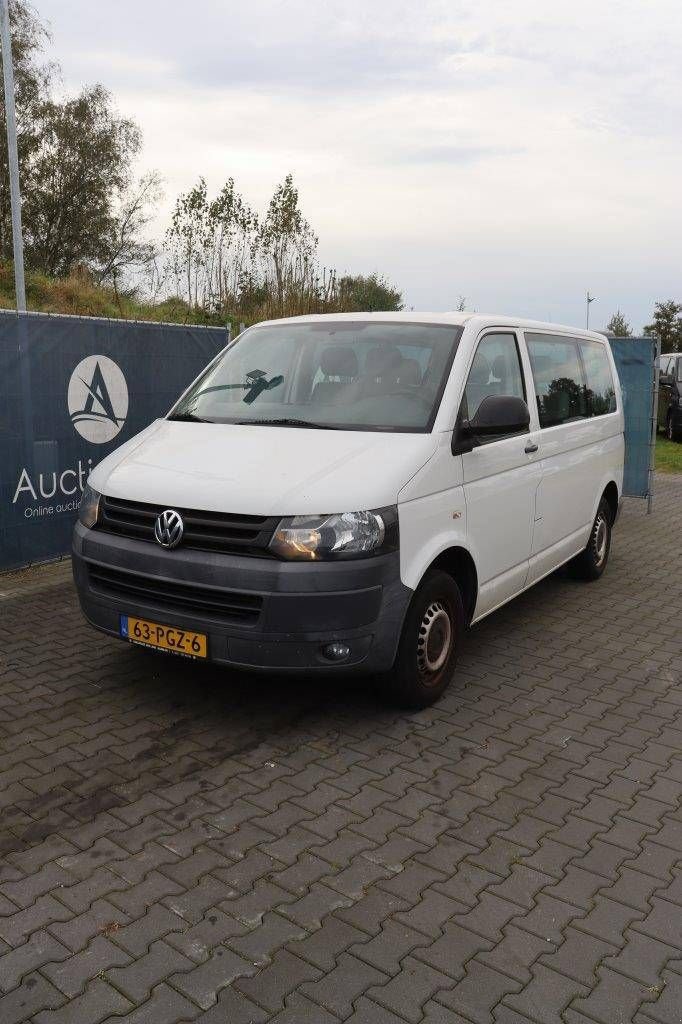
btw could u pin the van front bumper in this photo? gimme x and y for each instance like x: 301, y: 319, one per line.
x: 258, y: 613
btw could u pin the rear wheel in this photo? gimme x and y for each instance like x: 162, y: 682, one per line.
x: 429, y: 643
x: 590, y: 563
x: 671, y: 431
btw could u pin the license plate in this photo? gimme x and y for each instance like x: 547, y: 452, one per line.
x: 164, y: 638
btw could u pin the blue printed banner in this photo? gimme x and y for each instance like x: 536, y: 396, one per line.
x: 635, y: 361
x: 72, y: 389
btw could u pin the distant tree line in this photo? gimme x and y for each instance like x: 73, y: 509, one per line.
x: 81, y: 204
x: 222, y: 255
x: 85, y: 212
x: 666, y: 323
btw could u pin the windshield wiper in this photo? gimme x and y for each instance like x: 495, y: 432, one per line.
x: 289, y: 422
x: 189, y: 417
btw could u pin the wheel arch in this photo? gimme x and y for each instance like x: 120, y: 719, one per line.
x: 611, y: 496
x: 459, y: 564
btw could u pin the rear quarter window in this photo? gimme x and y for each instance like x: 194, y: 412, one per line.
x: 601, y: 393
x: 558, y: 378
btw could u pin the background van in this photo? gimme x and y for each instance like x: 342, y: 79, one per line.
x: 670, y: 395
x: 353, y: 491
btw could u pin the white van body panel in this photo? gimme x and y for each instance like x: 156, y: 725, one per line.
x: 274, y: 470
x: 431, y: 512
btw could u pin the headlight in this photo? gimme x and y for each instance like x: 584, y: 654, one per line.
x: 88, y: 512
x: 345, y: 535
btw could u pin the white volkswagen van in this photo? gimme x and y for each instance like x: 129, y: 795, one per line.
x: 353, y: 491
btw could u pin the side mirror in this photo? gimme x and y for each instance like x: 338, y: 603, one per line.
x: 496, y: 415
x: 665, y: 380
x: 500, y: 414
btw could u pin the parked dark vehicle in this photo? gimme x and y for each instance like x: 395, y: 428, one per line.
x: 670, y: 396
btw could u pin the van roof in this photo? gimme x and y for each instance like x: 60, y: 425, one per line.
x: 458, y: 319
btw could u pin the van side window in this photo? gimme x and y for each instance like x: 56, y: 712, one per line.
x: 496, y: 370
x: 601, y: 394
x: 559, y: 383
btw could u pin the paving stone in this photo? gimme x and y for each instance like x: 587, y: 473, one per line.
x: 431, y: 913
x: 642, y: 959
x: 71, y: 976
x: 609, y: 920
x: 369, y: 1012
x: 578, y: 956
x: 407, y: 992
x: 137, y: 980
x: 137, y: 937
x: 98, y: 1001
x: 389, y: 947
x: 615, y: 999
x: 548, y: 918
x: 662, y: 923
x: 284, y: 974
x: 338, y: 990
x: 232, y: 1007
x: 261, y: 943
x: 17, y: 927
x: 665, y: 1009
x: 516, y: 954
x: 204, y: 982
x: 509, y: 856
x: 323, y: 947
x: 478, y: 993
x: 163, y: 1006
x: 33, y: 995
x: 546, y: 996
x: 42, y: 948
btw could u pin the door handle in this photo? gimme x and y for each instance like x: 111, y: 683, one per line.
x: 530, y: 448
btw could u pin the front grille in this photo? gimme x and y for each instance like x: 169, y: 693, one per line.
x: 205, y: 531
x: 226, y: 605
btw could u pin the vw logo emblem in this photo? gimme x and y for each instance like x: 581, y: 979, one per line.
x: 168, y: 528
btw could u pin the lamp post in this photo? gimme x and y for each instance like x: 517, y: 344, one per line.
x: 589, y: 300
x: 12, y: 155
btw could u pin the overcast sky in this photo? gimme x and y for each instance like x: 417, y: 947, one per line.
x: 516, y: 152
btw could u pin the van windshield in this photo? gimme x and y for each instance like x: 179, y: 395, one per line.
x: 348, y: 375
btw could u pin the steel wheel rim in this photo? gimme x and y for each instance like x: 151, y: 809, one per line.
x: 601, y: 536
x: 434, y: 640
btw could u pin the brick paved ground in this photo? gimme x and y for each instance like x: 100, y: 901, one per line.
x: 181, y: 844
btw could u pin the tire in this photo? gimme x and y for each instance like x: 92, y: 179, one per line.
x: 591, y: 563
x: 430, y: 639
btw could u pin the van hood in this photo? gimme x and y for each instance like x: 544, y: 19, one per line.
x: 226, y: 467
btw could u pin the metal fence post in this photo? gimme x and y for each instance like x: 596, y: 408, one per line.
x: 654, y: 425
x: 12, y: 155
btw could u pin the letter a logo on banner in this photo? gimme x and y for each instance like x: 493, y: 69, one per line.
x: 98, y: 399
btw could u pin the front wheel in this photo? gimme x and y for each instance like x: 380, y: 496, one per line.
x: 429, y: 643
x: 590, y: 563
x: 671, y: 431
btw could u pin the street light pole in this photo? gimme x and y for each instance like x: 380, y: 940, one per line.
x: 590, y: 299
x: 12, y: 155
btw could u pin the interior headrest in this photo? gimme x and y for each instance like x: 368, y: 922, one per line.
x: 409, y: 372
x: 500, y: 367
x: 382, y: 360
x: 339, y: 361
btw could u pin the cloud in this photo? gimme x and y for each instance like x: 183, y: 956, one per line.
x: 455, y: 154
x: 514, y: 153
